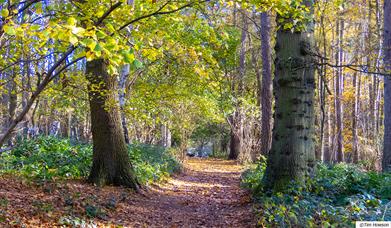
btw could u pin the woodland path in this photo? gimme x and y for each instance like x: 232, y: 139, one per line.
x: 205, y: 194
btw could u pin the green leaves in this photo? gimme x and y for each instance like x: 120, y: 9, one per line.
x: 9, y: 30
x: 73, y: 39
x: 4, y: 13
x: 71, y: 21
x: 35, y: 27
x: 48, y: 158
x: 334, y: 196
x: 137, y: 64
x: 90, y: 43
x: 129, y: 57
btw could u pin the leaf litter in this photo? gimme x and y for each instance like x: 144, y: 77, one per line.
x: 206, y: 194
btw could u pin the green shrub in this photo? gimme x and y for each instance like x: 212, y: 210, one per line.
x: 335, y: 196
x: 152, y: 163
x: 48, y: 158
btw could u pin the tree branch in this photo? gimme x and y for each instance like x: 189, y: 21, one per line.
x: 157, y: 12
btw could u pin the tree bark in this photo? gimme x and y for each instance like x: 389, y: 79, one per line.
x: 234, y: 146
x: 237, y: 120
x: 386, y: 161
x: 292, y: 154
x: 338, y: 93
x: 111, y: 163
x: 356, y: 109
x: 325, y: 144
x: 327, y: 147
x: 125, y: 71
x: 165, y: 139
x: 13, y: 102
x: 266, y: 97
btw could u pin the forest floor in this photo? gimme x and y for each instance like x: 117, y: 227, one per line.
x: 205, y: 194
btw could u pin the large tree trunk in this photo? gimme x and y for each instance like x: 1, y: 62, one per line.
x: 386, y: 164
x: 111, y: 163
x: 292, y: 154
x: 266, y: 94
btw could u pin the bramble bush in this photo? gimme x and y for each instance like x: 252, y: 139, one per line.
x: 50, y: 158
x: 335, y: 196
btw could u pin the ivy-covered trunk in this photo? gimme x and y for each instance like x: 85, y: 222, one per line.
x: 111, y: 163
x: 293, y: 149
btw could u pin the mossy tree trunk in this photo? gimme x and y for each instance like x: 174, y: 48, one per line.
x: 111, y: 163
x: 292, y: 154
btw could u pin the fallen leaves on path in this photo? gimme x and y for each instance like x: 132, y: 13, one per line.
x: 205, y: 194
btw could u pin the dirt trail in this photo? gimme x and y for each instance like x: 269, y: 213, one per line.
x: 206, y: 194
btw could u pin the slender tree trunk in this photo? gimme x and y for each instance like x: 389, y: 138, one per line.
x: 125, y: 71
x: 292, y: 154
x: 111, y: 163
x: 165, y: 139
x: 25, y: 94
x: 256, y: 135
x: 356, y: 111
x: 327, y: 144
x: 338, y: 93
x: 237, y: 123
x: 373, y: 84
x: 325, y: 116
x: 266, y: 94
x: 378, y: 62
x: 386, y: 163
x: 13, y: 101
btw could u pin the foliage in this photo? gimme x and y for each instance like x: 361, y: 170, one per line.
x: 152, y: 163
x: 334, y: 196
x: 49, y: 158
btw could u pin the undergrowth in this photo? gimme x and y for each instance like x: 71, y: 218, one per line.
x: 50, y: 158
x: 335, y: 196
